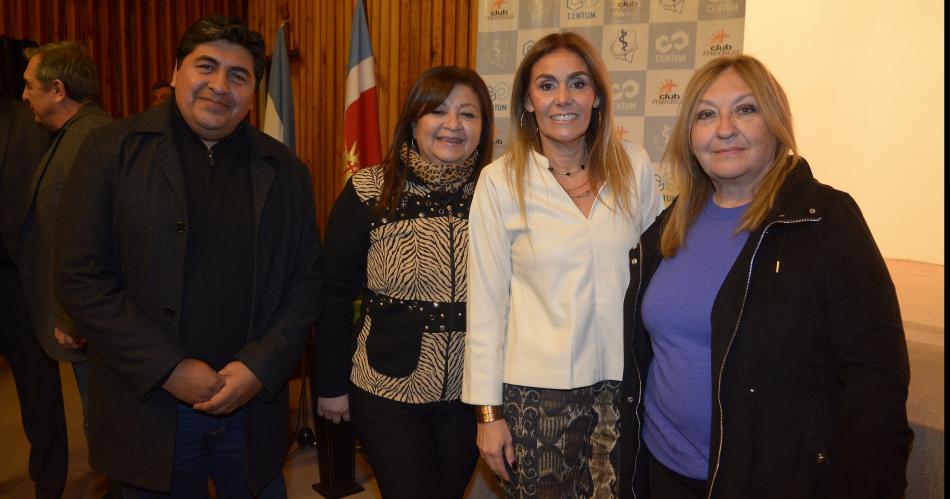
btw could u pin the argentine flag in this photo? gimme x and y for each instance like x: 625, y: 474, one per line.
x: 279, y: 109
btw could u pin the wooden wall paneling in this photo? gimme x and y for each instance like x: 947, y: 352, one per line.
x: 390, y: 91
x: 438, y: 30
x: 427, y: 47
x: 451, y: 31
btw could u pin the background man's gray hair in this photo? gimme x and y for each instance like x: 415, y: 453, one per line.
x: 70, y: 63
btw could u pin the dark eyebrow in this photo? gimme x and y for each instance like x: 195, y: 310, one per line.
x: 570, y: 76
x: 239, y: 69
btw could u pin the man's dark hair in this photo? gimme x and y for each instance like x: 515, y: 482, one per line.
x: 160, y: 85
x: 70, y: 63
x: 230, y: 29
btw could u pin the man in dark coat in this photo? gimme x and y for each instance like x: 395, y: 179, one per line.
x: 61, y: 88
x: 35, y: 374
x: 188, y: 255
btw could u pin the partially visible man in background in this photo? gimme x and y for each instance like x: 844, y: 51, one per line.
x: 160, y: 92
x: 62, y: 85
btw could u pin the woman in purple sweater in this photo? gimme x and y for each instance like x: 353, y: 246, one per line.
x: 765, y: 355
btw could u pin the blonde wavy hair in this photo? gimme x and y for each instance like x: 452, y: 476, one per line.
x: 608, y: 162
x: 693, y: 185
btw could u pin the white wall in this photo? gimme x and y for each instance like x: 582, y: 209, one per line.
x: 865, y: 81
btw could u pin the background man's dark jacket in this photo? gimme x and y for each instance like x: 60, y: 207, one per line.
x: 35, y: 253
x: 120, y: 253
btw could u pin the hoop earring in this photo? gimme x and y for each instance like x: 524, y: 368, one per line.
x: 522, y: 119
x: 600, y: 118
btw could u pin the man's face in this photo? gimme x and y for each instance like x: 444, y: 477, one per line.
x: 214, y: 88
x: 42, y: 99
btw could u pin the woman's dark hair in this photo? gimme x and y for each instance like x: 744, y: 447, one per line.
x: 427, y: 93
x: 231, y: 29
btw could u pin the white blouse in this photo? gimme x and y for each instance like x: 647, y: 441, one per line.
x: 545, y: 302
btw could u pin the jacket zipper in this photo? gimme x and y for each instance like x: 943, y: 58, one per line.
x: 735, y: 331
x: 451, y: 311
x: 210, y: 164
x: 636, y: 367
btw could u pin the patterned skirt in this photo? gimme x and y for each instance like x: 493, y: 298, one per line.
x: 565, y: 441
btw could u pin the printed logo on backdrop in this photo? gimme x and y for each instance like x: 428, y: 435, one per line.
x: 673, y: 11
x: 538, y: 14
x: 672, y: 46
x: 629, y: 128
x: 657, y: 131
x: 718, y: 38
x: 502, y: 135
x: 499, y: 11
x: 673, y: 5
x: 665, y: 91
x: 625, y: 46
x: 499, y: 15
x: 721, y: 9
x: 627, y: 90
x: 718, y: 45
x: 496, y: 52
x: 526, y: 39
x: 500, y: 97
x: 627, y: 11
x: 582, y: 12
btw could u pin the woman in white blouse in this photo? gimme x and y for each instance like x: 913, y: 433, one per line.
x: 550, y: 227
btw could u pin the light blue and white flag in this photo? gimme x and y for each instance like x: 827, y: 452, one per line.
x: 279, y: 109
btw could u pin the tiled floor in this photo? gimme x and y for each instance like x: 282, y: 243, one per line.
x: 920, y: 291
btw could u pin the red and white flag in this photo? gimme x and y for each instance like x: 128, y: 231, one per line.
x: 361, y: 147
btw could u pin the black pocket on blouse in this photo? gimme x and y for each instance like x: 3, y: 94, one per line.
x: 393, y: 347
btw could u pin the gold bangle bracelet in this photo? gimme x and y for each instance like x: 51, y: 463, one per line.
x: 489, y: 413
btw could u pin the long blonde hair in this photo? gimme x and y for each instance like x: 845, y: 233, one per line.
x: 692, y: 183
x: 608, y: 162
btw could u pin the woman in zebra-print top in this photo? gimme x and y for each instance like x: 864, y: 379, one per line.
x: 398, y: 234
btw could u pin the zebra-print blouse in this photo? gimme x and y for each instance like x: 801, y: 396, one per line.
x: 411, y: 269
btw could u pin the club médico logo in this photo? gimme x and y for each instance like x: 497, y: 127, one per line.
x: 717, y: 45
x: 498, y: 12
x: 666, y: 94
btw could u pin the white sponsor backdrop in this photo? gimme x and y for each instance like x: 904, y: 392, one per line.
x: 650, y: 47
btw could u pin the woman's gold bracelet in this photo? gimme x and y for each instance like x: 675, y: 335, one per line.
x: 489, y: 413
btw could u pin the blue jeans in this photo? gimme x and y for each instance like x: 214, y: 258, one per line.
x: 209, y: 446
